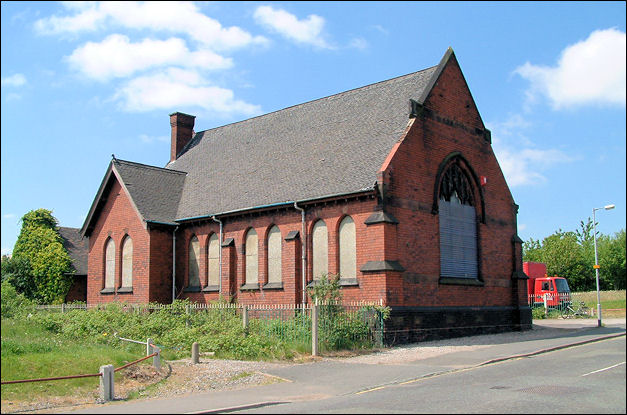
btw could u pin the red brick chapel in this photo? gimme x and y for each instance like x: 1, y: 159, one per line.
x: 393, y: 185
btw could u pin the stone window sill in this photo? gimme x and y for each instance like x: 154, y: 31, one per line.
x: 125, y: 290
x: 211, y: 289
x: 249, y: 287
x: 107, y: 291
x: 461, y: 281
x: 273, y: 286
x: 348, y: 282
x: 191, y: 290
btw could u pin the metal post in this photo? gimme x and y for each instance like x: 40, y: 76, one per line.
x: 546, y: 307
x: 106, y: 383
x: 314, y: 330
x: 596, y: 267
x: 148, y: 346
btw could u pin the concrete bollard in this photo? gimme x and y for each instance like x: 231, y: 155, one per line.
x: 148, y: 346
x: 156, y: 360
x: 245, y: 317
x: 106, y: 383
x: 195, y: 353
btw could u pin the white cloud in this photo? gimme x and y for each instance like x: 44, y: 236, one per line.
x: 116, y: 57
x: 589, y: 72
x: 151, y: 139
x: 16, y: 80
x: 177, y: 88
x: 308, y: 31
x: 522, y: 164
x: 173, y: 17
x: 359, y: 43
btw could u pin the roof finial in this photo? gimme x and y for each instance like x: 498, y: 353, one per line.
x: 113, y: 156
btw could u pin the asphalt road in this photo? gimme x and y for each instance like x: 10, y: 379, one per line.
x: 589, y: 378
x: 579, y: 368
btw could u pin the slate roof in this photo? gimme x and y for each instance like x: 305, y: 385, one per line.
x: 327, y: 147
x: 155, y: 191
x: 330, y: 146
x: 77, y: 247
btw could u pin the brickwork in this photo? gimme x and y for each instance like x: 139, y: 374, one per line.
x: 118, y: 219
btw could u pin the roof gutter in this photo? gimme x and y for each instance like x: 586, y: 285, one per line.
x: 231, y: 212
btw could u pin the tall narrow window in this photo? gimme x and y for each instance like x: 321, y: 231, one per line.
x: 348, y: 251
x: 213, y: 252
x: 252, y: 258
x: 110, y: 264
x: 458, y: 226
x: 274, y: 255
x: 193, y: 268
x: 127, y: 263
x: 320, y: 250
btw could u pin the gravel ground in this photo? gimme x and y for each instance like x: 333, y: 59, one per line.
x: 181, y: 377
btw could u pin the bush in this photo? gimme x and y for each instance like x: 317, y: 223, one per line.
x: 14, y: 304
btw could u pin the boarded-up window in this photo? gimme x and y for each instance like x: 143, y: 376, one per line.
x: 348, y: 251
x: 127, y: 263
x: 274, y: 255
x: 458, y: 226
x: 213, y: 252
x: 252, y: 258
x: 194, y: 259
x: 110, y: 264
x: 320, y: 250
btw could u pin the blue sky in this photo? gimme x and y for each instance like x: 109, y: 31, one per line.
x: 84, y: 80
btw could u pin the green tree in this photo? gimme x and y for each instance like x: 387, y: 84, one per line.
x: 39, y: 245
x: 571, y: 255
x: 17, y: 272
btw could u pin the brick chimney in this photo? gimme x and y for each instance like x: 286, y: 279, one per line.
x: 182, y: 132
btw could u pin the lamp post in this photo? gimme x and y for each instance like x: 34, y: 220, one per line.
x: 596, y: 259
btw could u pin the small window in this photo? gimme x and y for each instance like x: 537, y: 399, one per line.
x: 274, y: 255
x: 213, y: 252
x: 348, y: 251
x: 320, y: 250
x: 110, y: 264
x: 252, y: 258
x: 127, y: 263
x: 194, y: 256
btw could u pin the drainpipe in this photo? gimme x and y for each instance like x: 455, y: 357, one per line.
x: 219, y: 253
x: 174, y: 264
x: 303, y: 251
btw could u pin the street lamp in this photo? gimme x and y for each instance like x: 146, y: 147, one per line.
x: 596, y: 259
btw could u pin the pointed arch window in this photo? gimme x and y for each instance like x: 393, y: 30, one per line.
x: 320, y: 250
x: 109, y: 264
x: 274, y: 255
x: 213, y: 258
x: 252, y: 258
x: 458, y: 225
x: 193, y: 277
x: 127, y: 263
x: 348, y: 251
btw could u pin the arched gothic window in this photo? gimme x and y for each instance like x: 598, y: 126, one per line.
x: 193, y: 267
x: 127, y: 263
x: 252, y: 258
x: 213, y: 257
x: 348, y: 251
x: 320, y: 250
x: 274, y: 255
x: 109, y: 264
x: 458, y: 225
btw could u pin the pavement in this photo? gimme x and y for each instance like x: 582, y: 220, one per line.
x: 336, y: 377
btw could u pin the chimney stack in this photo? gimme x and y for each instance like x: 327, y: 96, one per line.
x: 182, y: 132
